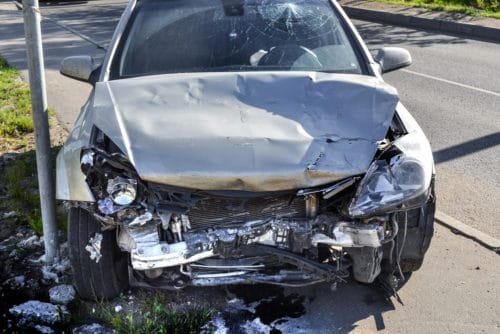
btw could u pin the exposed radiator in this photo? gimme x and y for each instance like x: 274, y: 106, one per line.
x: 214, y: 211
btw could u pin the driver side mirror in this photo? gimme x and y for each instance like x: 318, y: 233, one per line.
x: 82, y: 68
x: 392, y: 58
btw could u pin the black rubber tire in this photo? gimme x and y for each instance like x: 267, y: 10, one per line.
x: 410, y: 265
x: 95, y: 281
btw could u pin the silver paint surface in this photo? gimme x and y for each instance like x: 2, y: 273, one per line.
x: 256, y: 131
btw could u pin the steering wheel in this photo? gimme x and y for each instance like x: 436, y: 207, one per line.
x: 291, y: 56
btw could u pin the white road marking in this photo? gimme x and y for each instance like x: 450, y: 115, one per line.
x: 452, y: 82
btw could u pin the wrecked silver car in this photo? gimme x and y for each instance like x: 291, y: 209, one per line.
x: 242, y: 141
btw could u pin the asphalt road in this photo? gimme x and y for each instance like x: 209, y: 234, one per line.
x: 458, y: 286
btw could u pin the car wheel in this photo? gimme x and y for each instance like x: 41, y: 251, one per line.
x: 104, y: 279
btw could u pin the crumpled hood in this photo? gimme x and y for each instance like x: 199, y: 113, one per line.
x: 257, y: 131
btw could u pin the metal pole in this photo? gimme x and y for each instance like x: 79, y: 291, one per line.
x: 34, y: 49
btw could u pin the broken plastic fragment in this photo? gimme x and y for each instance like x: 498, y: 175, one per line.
x: 107, y: 206
x: 142, y: 219
x: 94, y: 247
x: 87, y: 158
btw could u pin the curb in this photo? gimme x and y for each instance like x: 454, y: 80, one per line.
x: 446, y: 26
x: 458, y: 227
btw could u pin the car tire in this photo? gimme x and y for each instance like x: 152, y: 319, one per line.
x: 410, y: 265
x: 94, y: 281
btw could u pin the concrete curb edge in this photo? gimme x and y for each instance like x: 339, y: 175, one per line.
x: 469, y: 232
x: 464, y: 29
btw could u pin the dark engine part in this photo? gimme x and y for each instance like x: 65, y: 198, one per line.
x: 365, y: 263
x: 212, y: 211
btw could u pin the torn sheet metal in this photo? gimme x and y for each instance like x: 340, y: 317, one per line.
x: 263, y: 131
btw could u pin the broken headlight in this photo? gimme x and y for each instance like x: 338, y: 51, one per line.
x: 122, y: 190
x: 401, y: 180
x: 112, y: 179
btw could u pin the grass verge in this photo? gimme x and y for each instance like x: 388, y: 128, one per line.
x: 15, y: 104
x: 18, y: 174
x: 20, y: 179
x: 153, y: 315
x: 485, y: 8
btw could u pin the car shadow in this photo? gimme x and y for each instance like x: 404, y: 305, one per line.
x: 313, y: 309
x: 466, y: 148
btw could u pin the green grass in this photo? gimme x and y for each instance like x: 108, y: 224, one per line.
x: 15, y: 103
x: 153, y: 316
x: 20, y: 178
x: 486, y: 8
x: 16, y: 135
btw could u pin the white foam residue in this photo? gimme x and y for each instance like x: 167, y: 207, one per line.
x: 31, y: 242
x: 55, y: 270
x: 255, y: 327
x: 49, y: 275
x: 216, y: 325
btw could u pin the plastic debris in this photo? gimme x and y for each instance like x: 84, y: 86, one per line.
x: 107, y: 206
x: 94, y: 247
x: 143, y: 219
x: 10, y: 214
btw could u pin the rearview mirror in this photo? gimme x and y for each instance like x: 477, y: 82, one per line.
x: 392, y: 58
x: 83, y: 68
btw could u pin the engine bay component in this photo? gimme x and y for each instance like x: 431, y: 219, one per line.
x: 292, y: 235
x: 352, y: 235
x: 176, y: 236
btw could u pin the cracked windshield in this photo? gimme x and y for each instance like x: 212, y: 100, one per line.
x: 238, y: 36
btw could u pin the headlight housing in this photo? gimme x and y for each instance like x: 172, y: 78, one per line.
x: 122, y: 191
x: 111, y: 178
x: 400, y: 181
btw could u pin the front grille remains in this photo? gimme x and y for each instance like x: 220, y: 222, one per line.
x: 213, y: 211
